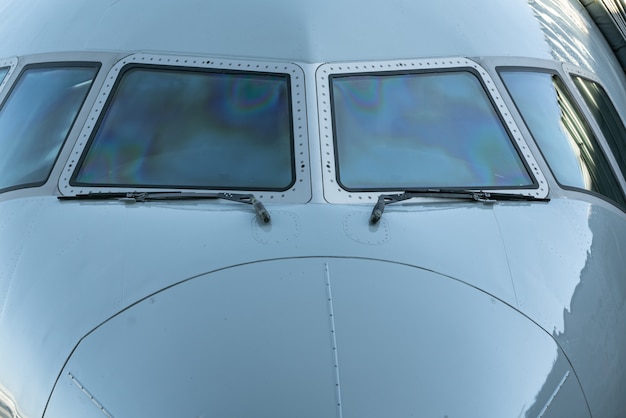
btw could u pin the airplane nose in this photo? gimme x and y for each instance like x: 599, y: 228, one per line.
x: 318, y: 337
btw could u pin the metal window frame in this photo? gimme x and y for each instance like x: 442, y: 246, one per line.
x: 299, y: 192
x: 334, y: 193
x: 11, y: 64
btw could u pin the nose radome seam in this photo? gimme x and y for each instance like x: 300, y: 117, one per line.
x: 333, y: 337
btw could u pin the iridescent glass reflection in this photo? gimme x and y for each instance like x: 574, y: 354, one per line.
x: 399, y: 131
x: 563, y: 135
x: 176, y: 128
x: 36, y: 119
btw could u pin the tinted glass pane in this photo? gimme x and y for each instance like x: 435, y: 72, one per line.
x: 400, y: 131
x: 184, y: 129
x: 607, y: 118
x: 3, y: 72
x: 36, y: 119
x: 564, y: 137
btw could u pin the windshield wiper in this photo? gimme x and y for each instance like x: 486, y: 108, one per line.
x: 474, y: 195
x: 249, y: 198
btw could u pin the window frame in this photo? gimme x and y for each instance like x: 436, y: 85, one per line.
x: 298, y: 191
x: 335, y: 193
x: 9, y: 63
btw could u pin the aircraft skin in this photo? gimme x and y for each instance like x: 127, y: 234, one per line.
x: 442, y: 305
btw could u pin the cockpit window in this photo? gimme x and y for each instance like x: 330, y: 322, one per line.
x: 36, y: 119
x: 420, y: 130
x: 174, y: 127
x: 564, y: 137
x: 606, y: 116
x: 3, y: 72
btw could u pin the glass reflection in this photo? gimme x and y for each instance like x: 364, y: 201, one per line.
x: 3, y: 72
x: 399, y: 131
x: 564, y: 137
x: 606, y: 116
x: 193, y: 129
x: 35, y: 120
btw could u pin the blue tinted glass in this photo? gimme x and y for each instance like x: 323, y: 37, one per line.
x: 35, y: 120
x: 173, y: 128
x: 564, y: 137
x: 402, y: 131
x: 3, y: 72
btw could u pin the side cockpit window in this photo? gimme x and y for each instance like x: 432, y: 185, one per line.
x: 194, y: 128
x: 414, y: 130
x: 606, y: 116
x: 36, y: 118
x: 564, y: 137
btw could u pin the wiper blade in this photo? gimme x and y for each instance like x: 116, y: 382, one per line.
x: 474, y: 195
x: 247, y: 198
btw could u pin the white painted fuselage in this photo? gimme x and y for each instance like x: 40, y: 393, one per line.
x: 442, y: 307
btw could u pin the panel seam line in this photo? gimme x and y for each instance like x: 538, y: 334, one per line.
x: 333, y: 336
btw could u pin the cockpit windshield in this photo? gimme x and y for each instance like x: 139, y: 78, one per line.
x: 193, y: 128
x: 402, y: 130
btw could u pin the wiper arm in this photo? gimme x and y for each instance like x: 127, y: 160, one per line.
x: 475, y: 195
x: 248, y: 198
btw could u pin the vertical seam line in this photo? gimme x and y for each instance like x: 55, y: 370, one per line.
x: 331, y: 313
